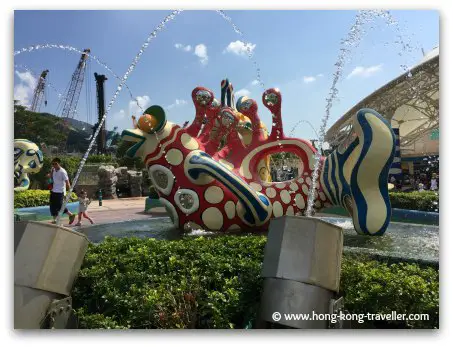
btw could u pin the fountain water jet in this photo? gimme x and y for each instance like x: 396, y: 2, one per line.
x: 131, y: 68
x: 75, y: 50
x: 246, y: 46
x: 353, y: 39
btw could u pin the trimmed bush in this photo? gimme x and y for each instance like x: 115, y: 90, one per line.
x: 101, y: 158
x: 421, y: 201
x: 215, y: 283
x: 375, y: 287
x: 34, y: 198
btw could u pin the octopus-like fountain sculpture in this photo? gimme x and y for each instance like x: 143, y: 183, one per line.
x: 208, y: 177
x: 28, y: 159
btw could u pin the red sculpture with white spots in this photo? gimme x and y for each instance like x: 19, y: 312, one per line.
x: 208, y: 174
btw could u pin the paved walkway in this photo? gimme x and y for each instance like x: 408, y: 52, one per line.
x: 125, y: 209
x: 117, y: 210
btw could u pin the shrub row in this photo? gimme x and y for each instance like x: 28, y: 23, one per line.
x: 215, y: 283
x: 422, y: 201
x: 34, y: 198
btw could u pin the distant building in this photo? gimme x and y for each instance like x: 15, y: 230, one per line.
x: 411, y: 103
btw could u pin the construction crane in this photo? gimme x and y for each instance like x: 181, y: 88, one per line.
x: 38, y: 94
x: 72, y: 98
x: 100, y: 79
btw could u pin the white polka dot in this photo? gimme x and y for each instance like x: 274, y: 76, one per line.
x: 322, y: 196
x: 293, y: 186
x: 284, y: 195
x: 189, y: 142
x: 230, y: 209
x: 300, y: 180
x: 270, y: 192
x: 305, y: 173
x: 308, y: 180
x: 280, y: 185
x: 290, y: 211
x: 277, y: 209
x: 300, y: 202
x: 174, y: 156
x: 212, y: 218
x: 256, y: 186
x: 305, y: 189
x: 234, y: 227
x: 213, y: 194
x: 227, y: 164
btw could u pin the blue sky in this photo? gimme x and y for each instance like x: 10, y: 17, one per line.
x: 295, y: 50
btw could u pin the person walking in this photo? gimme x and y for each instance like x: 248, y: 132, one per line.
x: 84, y: 201
x: 60, y: 184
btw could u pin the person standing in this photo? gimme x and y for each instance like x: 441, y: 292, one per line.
x: 83, y: 207
x: 60, y: 184
x: 434, y: 183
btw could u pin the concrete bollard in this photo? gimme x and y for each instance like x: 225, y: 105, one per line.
x: 47, y: 259
x: 301, y: 271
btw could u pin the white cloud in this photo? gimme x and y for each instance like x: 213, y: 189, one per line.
x: 180, y: 46
x: 24, y: 90
x: 143, y: 101
x: 27, y: 78
x: 255, y: 82
x: 242, y: 92
x: 201, y: 51
x: 119, y: 115
x: 362, y: 71
x: 240, y: 48
x: 178, y: 102
x: 310, y: 79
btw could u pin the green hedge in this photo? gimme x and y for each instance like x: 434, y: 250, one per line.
x: 101, y: 158
x: 215, y: 283
x: 422, y: 201
x: 375, y: 287
x: 33, y: 198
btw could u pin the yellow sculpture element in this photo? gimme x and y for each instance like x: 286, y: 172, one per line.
x: 245, y: 131
x: 27, y: 159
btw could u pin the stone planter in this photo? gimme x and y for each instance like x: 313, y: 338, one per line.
x: 301, y: 270
x: 47, y: 259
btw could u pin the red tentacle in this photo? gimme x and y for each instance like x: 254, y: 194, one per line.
x: 201, y: 98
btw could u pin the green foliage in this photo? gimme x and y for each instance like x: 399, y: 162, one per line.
x: 101, y: 158
x: 215, y: 283
x: 131, y: 163
x: 39, y: 127
x: 371, y: 286
x: 422, y: 201
x: 33, y: 198
x: 69, y: 163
